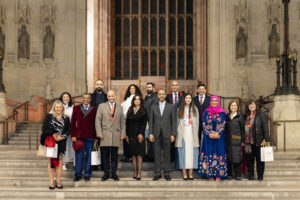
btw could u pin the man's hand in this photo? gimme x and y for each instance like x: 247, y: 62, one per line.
x: 151, y: 138
x: 74, y: 139
x: 140, y: 138
x: 122, y: 137
x: 127, y: 139
x: 100, y: 136
x: 172, y: 138
x: 96, y: 140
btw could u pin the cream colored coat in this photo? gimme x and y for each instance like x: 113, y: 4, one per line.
x: 180, y: 130
x: 111, y: 130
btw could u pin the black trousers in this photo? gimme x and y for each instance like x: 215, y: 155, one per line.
x: 260, y: 166
x: 110, y: 160
x: 150, y: 150
x: 162, y: 148
x: 234, y: 169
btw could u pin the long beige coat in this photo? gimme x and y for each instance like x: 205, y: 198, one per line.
x: 111, y: 130
x: 180, y: 130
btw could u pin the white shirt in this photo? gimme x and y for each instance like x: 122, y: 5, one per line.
x: 68, y: 111
x: 162, y: 107
x: 126, y: 104
x: 173, y: 94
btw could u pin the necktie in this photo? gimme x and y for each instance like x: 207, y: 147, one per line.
x: 175, y: 99
x: 201, y: 99
x: 112, y: 111
x: 86, y: 108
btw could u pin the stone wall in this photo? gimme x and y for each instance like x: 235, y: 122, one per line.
x: 254, y: 74
x: 46, y: 77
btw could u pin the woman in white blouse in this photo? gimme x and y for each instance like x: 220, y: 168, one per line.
x: 187, y: 142
x: 66, y: 99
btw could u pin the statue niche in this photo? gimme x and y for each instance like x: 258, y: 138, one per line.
x: 274, y: 42
x: 48, y: 50
x: 23, y: 43
x: 241, y: 44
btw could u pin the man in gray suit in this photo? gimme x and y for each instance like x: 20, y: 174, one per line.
x: 162, y: 131
x: 110, y: 128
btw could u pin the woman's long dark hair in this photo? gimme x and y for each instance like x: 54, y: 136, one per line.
x: 137, y: 91
x: 141, y: 105
x: 67, y: 93
x: 257, y: 110
x: 192, y: 107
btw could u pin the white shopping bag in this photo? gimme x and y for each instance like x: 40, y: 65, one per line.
x: 96, y: 158
x: 266, y: 154
x: 51, y: 152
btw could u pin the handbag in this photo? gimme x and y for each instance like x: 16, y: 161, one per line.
x: 51, y: 152
x: 96, y: 155
x: 266, y: 153
x: 41, y: 151
x: 50, y: 141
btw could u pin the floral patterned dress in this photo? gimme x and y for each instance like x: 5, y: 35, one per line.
x: 212, y: 158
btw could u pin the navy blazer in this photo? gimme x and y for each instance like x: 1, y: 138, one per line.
x: 169, y: 98
x: 202, y: 107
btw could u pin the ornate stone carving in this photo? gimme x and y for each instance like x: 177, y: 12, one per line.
x: 241, y: 43
x: 242, y: 21
x: 23, y: 12
x: 49, y: 42
x: 2, y: 43
x: 2, y: 13
x: 274, y: 42
x: 48, y: 13
x: 274, y: 11
x: 23, y: 43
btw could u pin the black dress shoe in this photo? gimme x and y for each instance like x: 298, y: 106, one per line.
x: 238, y: 178
x: 167, y: 177
x: 250, y: 178
x: 77, y: 178
x: 86, y: 178
x: 115, y: 177
x: 260, y: 179
x: 229, y: 177
x: 105, y: 177
x: 156, y: 177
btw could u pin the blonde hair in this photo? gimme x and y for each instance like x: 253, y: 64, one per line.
x: 52, y: 111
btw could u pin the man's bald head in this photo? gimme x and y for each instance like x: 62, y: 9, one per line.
x: 111, y: 96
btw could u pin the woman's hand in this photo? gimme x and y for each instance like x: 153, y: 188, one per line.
x: 140, y: 138
x: 127, y: 139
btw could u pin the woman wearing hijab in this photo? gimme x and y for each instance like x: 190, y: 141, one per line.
x: 212, y: 159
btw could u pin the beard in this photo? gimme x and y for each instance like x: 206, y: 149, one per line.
x: 149, y: 91
x: 99, y: 89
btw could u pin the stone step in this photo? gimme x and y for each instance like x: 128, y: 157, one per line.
x: 40, y: 172
x: 146, y: 182
x: 37, y: 163
x: 150, y: 193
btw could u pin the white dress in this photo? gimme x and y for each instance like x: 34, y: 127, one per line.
x: 70, y: 153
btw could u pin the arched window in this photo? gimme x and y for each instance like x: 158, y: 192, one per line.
x: 153, y: 38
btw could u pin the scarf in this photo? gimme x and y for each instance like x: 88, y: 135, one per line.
x: 216, y: 109
x: 249, y: 133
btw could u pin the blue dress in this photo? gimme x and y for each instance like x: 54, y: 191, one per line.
x: 212, y: 158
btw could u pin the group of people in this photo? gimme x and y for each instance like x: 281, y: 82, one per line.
x: 194, y: 132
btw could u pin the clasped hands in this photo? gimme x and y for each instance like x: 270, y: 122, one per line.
x: 140, y: 138
x: 214, y: 135
x: 151, y: 138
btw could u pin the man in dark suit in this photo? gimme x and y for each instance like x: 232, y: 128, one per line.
x: 83, y: 128
x: 162, y: 131
x: 174, y: 97
x: 150, y: 99
x: 99, y: 95
x: 202, y: 102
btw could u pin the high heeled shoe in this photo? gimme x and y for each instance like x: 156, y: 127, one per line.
x: 59, y: 186
x: 51, y: 187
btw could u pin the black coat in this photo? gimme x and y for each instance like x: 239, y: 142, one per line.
x: 48, y: 131
x: 135, y: 125
x: 260, y: 129
x: 149, y: 101
x: 103, y: 98
x: 201, y: 108
x: 169, y: 99
x: 235, y: 128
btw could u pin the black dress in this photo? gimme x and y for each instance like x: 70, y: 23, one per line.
x: 135, y: 125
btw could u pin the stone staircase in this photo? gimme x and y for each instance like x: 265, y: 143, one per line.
x: 24, y: 176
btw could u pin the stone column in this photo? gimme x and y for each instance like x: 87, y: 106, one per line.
x: 102, y: 50
x: 2, y: 92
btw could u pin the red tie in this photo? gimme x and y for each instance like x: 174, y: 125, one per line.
x: 111, y: 111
